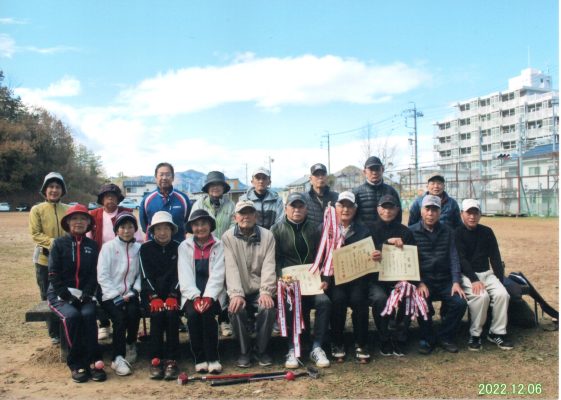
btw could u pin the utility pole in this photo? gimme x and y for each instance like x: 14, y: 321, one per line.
x: 413, y: 113
x: 271, y: 160
x: 328, y: 136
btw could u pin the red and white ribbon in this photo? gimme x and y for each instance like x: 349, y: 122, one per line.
x: 290, y: 294
x: 331, y: 239
x: 415, y: 303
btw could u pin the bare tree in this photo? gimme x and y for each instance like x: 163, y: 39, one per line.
x: 377, y: 146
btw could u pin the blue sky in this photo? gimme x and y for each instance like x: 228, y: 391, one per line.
x: 224, y: 84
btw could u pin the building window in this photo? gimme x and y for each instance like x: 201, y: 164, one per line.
x: 464, y: 107
x: 465, y: 136
x: 485, y: 148
x: 446, y: 153
x: 464, y: 121
x: 485, y: 132
x: 508, y: 128
x: 508, y: 113
x: 507, y: 96
x: 484, y: 102
x: 445, y: 139
x: 509, y: 145
x: 465, y: 150
x: 534, y: 170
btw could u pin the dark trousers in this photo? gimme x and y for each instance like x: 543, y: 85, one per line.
x: 455, y: 308
x: 353, y: 294
x: 243, y: 318
x: 377, y: 298
x: 203, y: 332
x: 126, y: 319
x: 42, y: 276
x: 165, y: 322
x: 80, y: 329
x: 322, y: 304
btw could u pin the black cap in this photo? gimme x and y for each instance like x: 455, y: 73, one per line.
x: 318, y: 167
x: 388, y: 199
x: 372, y: 162
x: 436, y: 177
x: 109, y: 188
x: 292, y: 197
x: 200, y: 214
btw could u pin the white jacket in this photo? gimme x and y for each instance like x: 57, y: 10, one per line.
x: 186, y: 272
x: 118, y: 268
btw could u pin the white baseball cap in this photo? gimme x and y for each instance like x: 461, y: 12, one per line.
x: 470, y: 203
x: 349, y: 196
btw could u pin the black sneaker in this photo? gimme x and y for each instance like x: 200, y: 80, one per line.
x: 263, y: 359
x: 97, y: 374
x: 362, y: 355
x: 425, y: 347
x: 398, y: 348
x: 244, y: 361
x: 474, y: 343
x: 156, y: 369
x: 80, y: 375
x: 450, y: 347
x: 386, y: 348
x: 338, y: 352
x: 501, y: 341
x: 172, y: 371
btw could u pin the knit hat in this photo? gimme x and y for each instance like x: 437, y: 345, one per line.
x: 216, y: 177
x: 109, y: 188
x: 162, y: 217
x: 200, y: 214
x: 76, y: 209
x: 122, y: 217
x: 50, y: 177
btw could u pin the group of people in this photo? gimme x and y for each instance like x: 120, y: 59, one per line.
x: 219, y: 263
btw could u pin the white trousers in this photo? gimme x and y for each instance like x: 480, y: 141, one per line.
x: 495, y: 294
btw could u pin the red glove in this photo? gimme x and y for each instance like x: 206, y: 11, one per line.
x: 156, y: 305
x: 206, y: 303
x: 197, y: 304
x: 171, y: 304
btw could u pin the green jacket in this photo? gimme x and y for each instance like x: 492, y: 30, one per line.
x: 224, y: 216
x: 44, y: 227
x: 286, y: 254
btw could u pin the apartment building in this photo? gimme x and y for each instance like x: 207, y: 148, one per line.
x: 479, y: 147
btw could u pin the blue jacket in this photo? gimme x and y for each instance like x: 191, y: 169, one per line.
x: 176, y: 203
x: 449, y: 212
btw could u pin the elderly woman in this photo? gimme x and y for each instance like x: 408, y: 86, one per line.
x: 201, y: 278
x: 44, y: 226
x: 72, y: 285
x: 222, y: 209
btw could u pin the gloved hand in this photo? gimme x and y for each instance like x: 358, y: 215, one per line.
x: 118, y: 301
x: 171, y: 304
x: 206, y: 303
x: 156, y: 305
x: 74, y: 302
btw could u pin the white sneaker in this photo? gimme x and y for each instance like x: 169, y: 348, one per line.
x: 318, y: 356
x: 121, y: 366
x: 201, y: 367
x: 131, y: 353
x: 225, y: 329
x: 103, y: 333
x: 214, y: 367
x: 291, y: 360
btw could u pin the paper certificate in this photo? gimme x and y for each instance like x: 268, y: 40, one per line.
x: 354, y: 260
x: 399, y: 264
x: 309, y: 283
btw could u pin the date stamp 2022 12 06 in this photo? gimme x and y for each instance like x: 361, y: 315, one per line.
x: 509, y: 389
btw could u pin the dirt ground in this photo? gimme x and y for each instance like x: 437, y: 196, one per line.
x: 30, y: 367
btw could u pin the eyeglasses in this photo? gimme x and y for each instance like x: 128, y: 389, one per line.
x: 165, y: 175
x: 375, y: 168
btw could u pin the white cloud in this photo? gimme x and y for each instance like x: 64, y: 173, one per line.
x: 7, y: 46
x: 271, y: 83
x: 49, y: 50
x: 12, y: 21
x: 65, y: 87
x: 133, y: 133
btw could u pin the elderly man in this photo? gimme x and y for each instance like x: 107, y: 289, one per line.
x: 319, y: 195
x: 165, y: 198
x: 477, y: 245
x: 296, y: 241
x: 440, y: 276
x: 390, y: 232
x: 370, y: 192
x: 449, y: 212
x: 249, y: 252
x: 268, y: 204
